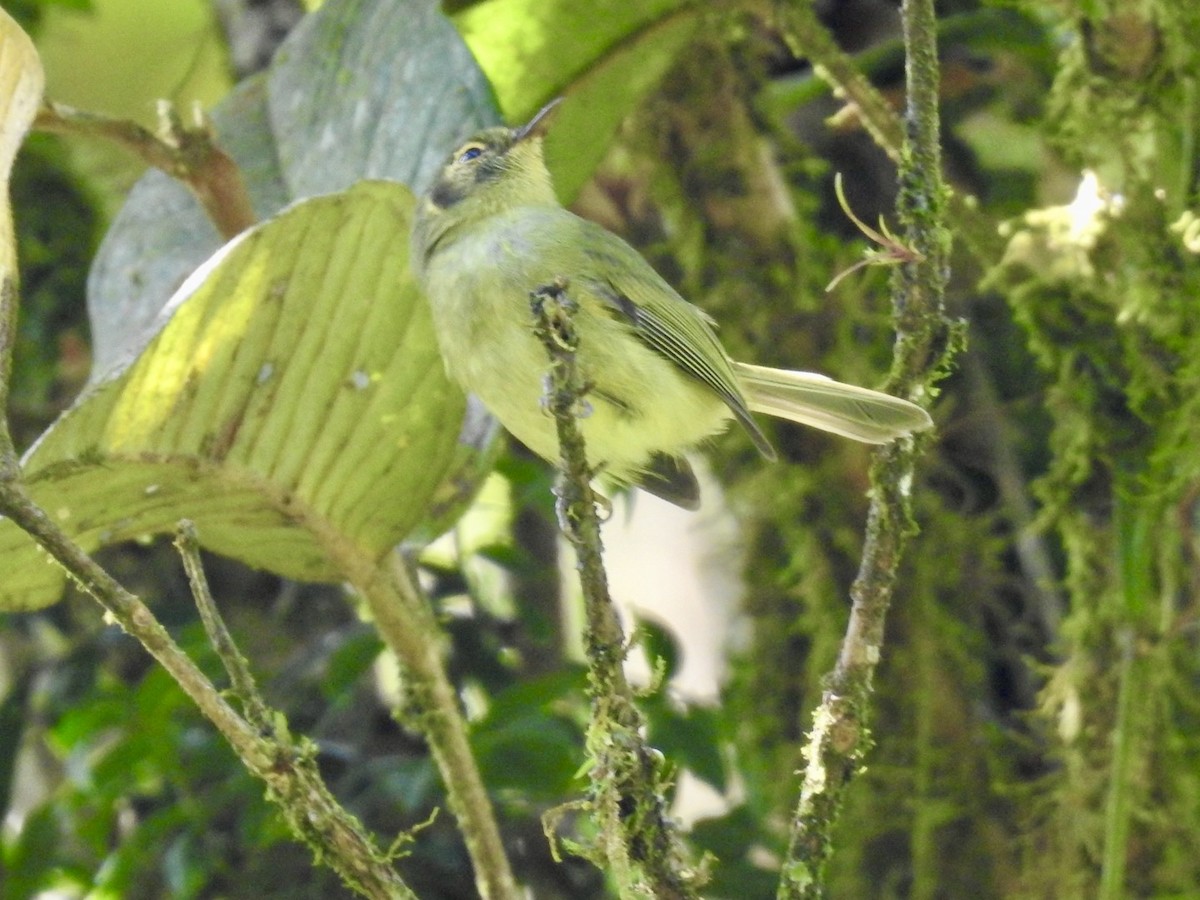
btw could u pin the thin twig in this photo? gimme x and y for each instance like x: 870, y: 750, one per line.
x: 289, y: 771
x: 189, y: 153
x: 807, y: 37
x: 639, y: 843
x: 10, y: 468
x: 254, y: 707
x: 925, y: 338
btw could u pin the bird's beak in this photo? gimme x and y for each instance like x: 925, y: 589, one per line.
x: 536, y: 127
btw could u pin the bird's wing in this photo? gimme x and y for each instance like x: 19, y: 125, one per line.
x: 664, y: 321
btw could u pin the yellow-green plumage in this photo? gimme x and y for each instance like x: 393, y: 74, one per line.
x: 490, y: 231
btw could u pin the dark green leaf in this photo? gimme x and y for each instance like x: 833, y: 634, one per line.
x: 354, y: 656
x: 662, y: 649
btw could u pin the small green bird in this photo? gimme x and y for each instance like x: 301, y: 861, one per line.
x: 490, y: 231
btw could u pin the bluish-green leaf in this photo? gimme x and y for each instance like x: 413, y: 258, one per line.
x: 361, y: 89
x: 373, y: 89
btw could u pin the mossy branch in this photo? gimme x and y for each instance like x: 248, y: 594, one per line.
x: 295, y: 784
x: 244, y: 686
x: 189, y: 153
x: 926, y: 338
x: 407, y: 625
x: 289, y: 771
x: 807, y: 37
x: 638, y: 841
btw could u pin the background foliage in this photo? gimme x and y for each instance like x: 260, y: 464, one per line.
x: 1036, y: 718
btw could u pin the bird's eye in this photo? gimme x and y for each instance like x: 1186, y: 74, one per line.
x: 472, y: 152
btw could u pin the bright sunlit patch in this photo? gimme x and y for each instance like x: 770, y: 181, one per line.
x: 1079, y: 224
x: 1091, y: 206
x: 1059, y: 240
x: 201, y: 327
x: 1187, y: 226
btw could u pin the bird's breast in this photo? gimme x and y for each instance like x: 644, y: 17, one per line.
x: 479, y: 287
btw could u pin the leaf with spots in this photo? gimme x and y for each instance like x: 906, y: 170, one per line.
x: 292, y: 403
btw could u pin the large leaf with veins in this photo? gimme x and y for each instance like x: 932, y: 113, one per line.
x: 293, y: 404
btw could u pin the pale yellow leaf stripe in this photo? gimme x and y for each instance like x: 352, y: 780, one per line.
x: 21, y: 84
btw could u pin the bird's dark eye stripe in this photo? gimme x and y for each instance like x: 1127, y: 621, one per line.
x: 469, y: 154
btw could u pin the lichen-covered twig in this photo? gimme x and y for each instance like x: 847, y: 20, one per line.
x: 638, y: 842
x: 840, y: 736
x: 808, y: 38
x: 244, y: 687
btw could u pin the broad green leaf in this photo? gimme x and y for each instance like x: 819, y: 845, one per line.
x: 119, y: 56
x: 293, y: 404
x: 361, y: 89
x: 534, y: 49
x: 608, y: 92
x: 394, y: 83
x: 604, y: 55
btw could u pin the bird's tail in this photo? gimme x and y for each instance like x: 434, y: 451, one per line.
x: 810, y: 399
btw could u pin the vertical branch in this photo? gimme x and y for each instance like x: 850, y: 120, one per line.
x: 1119, y: 803
x: 638, y: 842
x: 840, y: 737
x: 1137, y: 522
x: 407, y: 625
